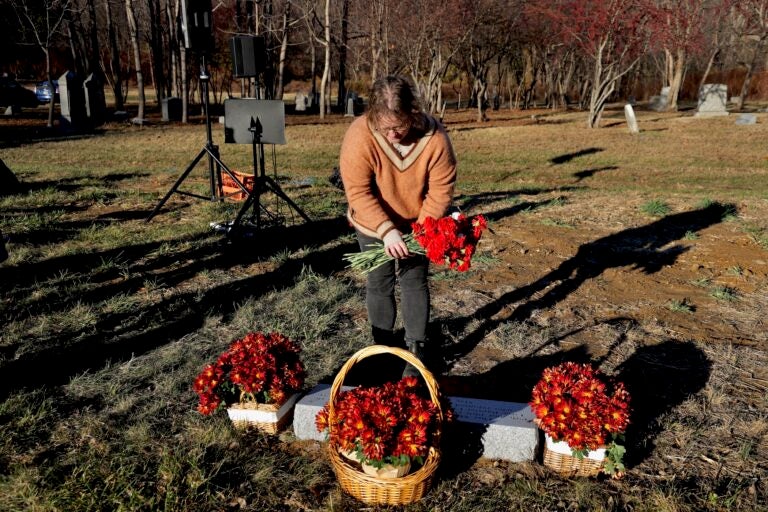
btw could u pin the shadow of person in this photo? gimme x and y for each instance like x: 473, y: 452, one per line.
x: 641, y: 248
x: 658, y: 378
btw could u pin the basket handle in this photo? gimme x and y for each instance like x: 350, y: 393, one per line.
x: 373, y: 350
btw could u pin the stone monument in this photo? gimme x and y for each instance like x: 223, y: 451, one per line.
x: 73, y: 114
x: 712, y: 100
x: 95, y: 103
x: 505, y: 429
x: 172, y: 108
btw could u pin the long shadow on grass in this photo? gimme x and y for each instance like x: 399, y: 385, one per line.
x: 588, y: 173
x: 658, y: 378
x: 121, y: 336
x: 567, y: 157
x: 469, y: 201
x: 639, y: 248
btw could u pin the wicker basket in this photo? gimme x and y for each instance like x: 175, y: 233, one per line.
x: 559, y: 459
x: 269, y: 418
x: 370, y: 489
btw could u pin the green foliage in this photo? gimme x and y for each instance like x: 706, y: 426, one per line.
x: 724, y: 293
x: 655, y: 208
x: 680, y: 306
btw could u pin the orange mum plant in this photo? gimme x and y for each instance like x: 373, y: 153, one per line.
x: 263, y: 368
x: 580, y: 405
x: 387, y: 424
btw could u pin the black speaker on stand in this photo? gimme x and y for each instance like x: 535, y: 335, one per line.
x: 197, y: 29
x: 249, y: 55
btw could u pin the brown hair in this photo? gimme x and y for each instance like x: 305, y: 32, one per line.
x: 394, y: 95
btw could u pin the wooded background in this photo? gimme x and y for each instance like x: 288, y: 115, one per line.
x: 487, y: 53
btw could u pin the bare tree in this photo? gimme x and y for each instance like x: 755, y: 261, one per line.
x: 612, y: 34
x: 754, y: 35
x: 116, y: 75
x: 134, y: 35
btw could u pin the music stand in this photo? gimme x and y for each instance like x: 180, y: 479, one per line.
x: 257, y: 122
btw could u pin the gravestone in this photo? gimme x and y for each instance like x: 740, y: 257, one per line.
x: 352, y: 102
x: 506, y: 428
x: 72, y: 98
x: 659, y: 103
x: 171, y: 109
x: 301, y: 102
x: 746, y: 119
x: 350, y: 111
x: 95, y: 103
x: 712, y: 100
x: 629, y: 113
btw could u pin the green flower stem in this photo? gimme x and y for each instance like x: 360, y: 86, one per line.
x: 371, y: 259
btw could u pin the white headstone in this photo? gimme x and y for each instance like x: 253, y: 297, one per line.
x: 350, y: 112
x: 629, y: 113
x: 712, y: 100
x: 301, y: 102
x: 508, y: 431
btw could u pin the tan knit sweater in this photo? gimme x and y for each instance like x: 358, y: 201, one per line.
x: 386, y: 190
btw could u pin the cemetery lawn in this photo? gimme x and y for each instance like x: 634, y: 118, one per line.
x: 646, y: 255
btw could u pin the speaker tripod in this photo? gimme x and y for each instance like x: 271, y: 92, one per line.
x: 261, y: 183
x: 215, y: 165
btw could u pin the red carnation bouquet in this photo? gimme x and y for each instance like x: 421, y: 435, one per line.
x: 449, y: 241
x: 262, y: 368
x: 387, y: 424
x: 580, y: 405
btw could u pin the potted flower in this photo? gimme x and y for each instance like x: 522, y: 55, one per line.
x: 583, y: 414
x: 257, y: 378
x: 385, y: 428
x: 449, y: 241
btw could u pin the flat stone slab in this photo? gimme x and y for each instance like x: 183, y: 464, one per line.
x: 506, y: 429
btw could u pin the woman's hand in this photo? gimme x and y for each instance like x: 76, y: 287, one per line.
x: 394, y: 245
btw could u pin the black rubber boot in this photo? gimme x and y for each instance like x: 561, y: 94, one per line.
x: 416, y: 348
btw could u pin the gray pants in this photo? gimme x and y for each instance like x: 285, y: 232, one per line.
x: 411, y: 272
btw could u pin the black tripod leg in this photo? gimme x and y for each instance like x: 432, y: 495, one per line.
x: 279, y: 192
x: 178, y: 182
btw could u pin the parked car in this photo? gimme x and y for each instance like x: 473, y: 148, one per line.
x: 13, y: 93
x: 43, y: 91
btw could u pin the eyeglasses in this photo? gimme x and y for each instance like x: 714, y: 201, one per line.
x: 401, y: 128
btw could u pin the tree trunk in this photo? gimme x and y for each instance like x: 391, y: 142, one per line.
x: 750, y: 70
x: 114, y: 52
x: 327, y: 66
x: 156, y: 48
x: 93, y: 54
x: 134, y: 36
x: 377, y: 31
x: 482, y: 106
x: 283, y: 52
x: 342, y: 96
x: 677, y: 65
x: 529, y: 77
x: 49, y: 74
